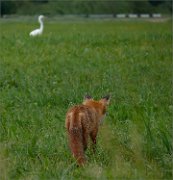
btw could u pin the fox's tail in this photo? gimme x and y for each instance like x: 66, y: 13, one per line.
x: 76, y: 144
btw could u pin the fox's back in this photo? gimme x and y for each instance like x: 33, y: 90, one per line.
x: 81, y: 117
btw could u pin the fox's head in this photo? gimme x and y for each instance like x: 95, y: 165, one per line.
x: 100, y: 106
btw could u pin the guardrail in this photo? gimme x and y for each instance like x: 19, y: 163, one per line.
x: 97, y: 16
x: 121, y: 16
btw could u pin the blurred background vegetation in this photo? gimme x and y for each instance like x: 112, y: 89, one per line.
x: 55, y: 7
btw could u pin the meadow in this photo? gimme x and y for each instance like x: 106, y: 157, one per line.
x: 40, y: 78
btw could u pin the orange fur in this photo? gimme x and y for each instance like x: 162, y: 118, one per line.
x: 83, y: 121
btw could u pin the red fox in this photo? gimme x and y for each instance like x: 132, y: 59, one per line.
x: 83, y: 121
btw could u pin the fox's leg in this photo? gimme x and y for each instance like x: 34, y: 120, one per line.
x: 85, y: 135
x: 93, y: 136
x: 85, y: 140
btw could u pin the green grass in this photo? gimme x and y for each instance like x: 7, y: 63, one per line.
x: 40, y: 78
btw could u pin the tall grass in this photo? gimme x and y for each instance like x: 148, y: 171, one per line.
x: 40, y: 78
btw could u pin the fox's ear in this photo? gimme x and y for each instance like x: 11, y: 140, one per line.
x: 105, y: 100
x: 87, y: 97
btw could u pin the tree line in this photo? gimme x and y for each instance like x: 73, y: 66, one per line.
x: 52, y: 7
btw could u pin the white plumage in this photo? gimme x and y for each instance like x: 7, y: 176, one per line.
x: 39, y: 31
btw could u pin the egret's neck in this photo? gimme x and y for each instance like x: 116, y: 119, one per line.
x: 41, y: 24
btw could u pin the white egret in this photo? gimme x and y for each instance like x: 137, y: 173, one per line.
x: 39, y: 31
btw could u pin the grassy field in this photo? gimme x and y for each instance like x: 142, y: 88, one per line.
x: 40, y: 78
